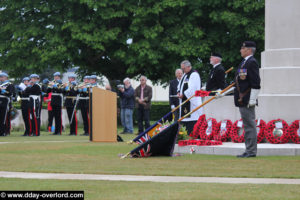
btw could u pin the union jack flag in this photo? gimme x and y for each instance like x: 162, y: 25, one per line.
x: 143, y: 139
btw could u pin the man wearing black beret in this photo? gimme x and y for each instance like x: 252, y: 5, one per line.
x: 247, y: 88
x: 216, y: 79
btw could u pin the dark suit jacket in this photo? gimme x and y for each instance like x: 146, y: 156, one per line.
x: 252, y: 80
x: 173, y: 91
x: 216, y: 79
x: 147, y: 96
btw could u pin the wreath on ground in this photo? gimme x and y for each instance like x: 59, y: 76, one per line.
x: 224, y: 129
x: 294, y: 131
x: 238, y: 132
x: 196, y: 130
x: 277, y: 131
x: 260, y: 129
x: 208, y: 129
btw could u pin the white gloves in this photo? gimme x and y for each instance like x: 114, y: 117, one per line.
x: 219, y: 95
x: 253, y: 96
x: 172, y: 107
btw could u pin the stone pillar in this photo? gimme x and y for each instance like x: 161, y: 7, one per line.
x: 280, y: 72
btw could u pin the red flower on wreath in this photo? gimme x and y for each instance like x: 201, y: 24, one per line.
x: 196, y: 130
x: 208, y: 129
x: 201, y: 93
x: 235, y: 137
x: 260, y: 129
x: 294, y: 132
x: 223, y: 133
x: 277, y: 139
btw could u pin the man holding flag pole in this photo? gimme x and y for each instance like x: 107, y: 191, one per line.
x: 247, y: 87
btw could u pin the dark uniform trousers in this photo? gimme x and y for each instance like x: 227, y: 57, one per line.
x: 70, y: 103
x: 56, y: 109
x: 73, y: 125
x: 35, y: 116
x: 85, y: 116
x: 3, y: 119
x: 5, y: 106
x: 248, y: 117
x: 26, y: 115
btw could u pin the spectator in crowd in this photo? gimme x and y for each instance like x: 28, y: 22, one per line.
x: 126, y: 93
x: 173, y: 98
x: 216, y: 79
x: 143, y: 96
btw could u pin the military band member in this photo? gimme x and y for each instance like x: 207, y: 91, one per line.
x: 93, y: 81
x: 6, y: 92
x: 83, y: 104
x: 25, y: 106
x: 56, y: 101
x: 34, y: 90
x: 70, y: 103
x: 188, y: 85
x: 247, y: 82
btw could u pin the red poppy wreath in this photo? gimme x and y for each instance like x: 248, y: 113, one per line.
x: 208, y: 129
x: 224, y: 129
x: 277, y: 131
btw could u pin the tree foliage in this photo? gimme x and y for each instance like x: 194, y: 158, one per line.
x: 40, y: 34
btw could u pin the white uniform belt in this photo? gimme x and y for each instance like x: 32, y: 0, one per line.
x: 57, y: 94
x: 2, y: 96
x: 70, y: 97
x: 84, y: 97
x: 35, y: 97
x: 27, y: 99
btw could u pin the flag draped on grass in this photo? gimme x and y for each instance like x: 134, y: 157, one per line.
x: 161, y: 144
x: 144, y: 136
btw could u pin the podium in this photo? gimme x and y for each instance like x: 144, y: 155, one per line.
x: 103, y: 115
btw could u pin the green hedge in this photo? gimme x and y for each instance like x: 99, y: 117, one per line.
x: 157, y: 111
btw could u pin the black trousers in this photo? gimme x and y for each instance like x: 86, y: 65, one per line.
x: 85, y: 118
x: 73, y: 125
x: 57, y: 116
x: 50, y: 118
x: 26, y: 118
x: 3, y: 121
x: 35, y: 120
x: 143, y: 116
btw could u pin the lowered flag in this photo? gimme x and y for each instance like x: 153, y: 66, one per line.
x: 161, y: 144
x: 149, y: 131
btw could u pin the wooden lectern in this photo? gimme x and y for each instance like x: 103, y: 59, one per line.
x: 103, y: 115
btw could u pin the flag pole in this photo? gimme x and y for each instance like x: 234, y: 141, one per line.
x: 206, y: 102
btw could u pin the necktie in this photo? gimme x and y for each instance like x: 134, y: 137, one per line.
x: 142, y: 93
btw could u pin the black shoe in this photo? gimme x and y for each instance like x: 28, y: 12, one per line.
x: 246, y: 155
x: 25, y: 134
x: 72, y: 134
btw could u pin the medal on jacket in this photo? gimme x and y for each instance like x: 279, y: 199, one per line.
x: 242, y: 73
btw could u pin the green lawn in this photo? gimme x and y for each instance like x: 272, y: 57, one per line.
x: 114, y: 190
x: 78, y: 155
